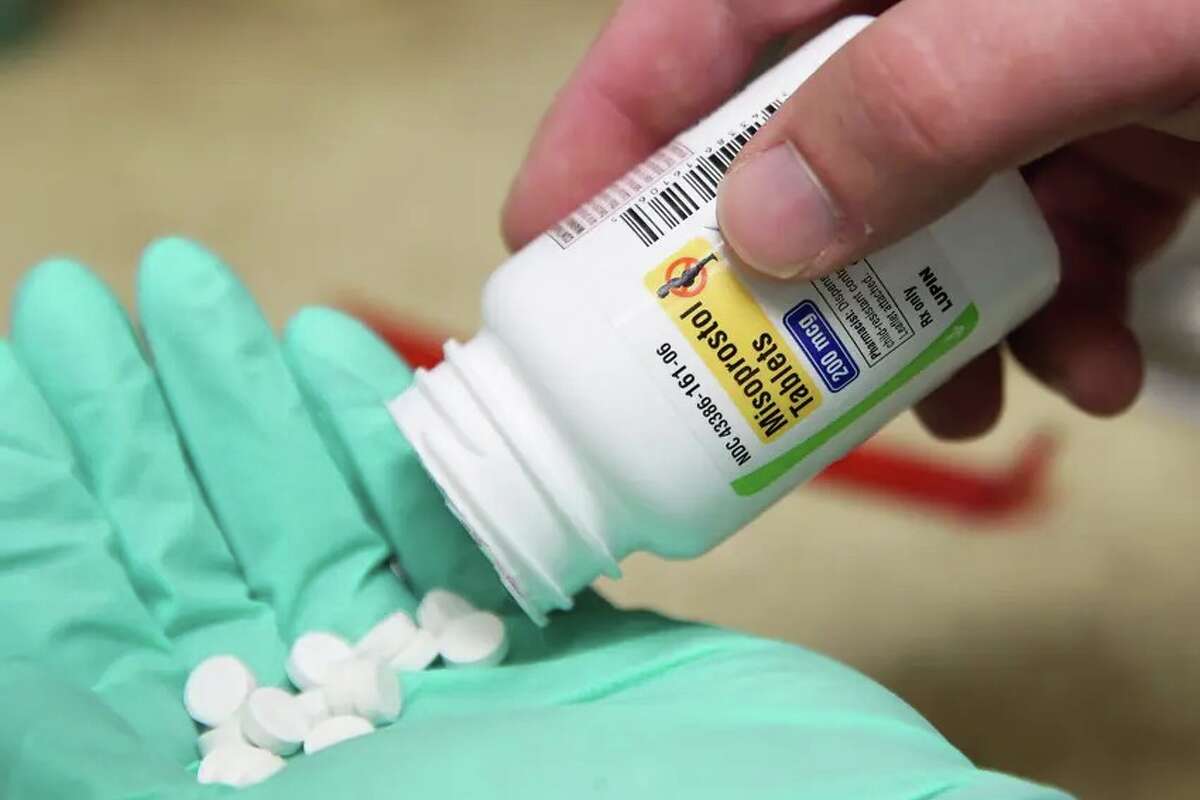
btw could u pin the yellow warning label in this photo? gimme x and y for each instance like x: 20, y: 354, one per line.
x: 759, y: 371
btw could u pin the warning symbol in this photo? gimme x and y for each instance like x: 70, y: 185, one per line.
x: 686, y: 272
x: 683, y: 284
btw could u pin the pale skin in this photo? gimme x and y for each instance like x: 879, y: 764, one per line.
x: 1098, y: 101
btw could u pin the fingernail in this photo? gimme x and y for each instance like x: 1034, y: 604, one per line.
x: 775, y: 213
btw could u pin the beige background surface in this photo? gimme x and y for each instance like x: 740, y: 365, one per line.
x: 337, y: 150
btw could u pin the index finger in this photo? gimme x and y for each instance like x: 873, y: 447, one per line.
x: 291, y: 522
x: 656, y: 69
x: 76, y: 342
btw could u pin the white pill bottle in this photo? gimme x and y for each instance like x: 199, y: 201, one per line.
x: 633, y: 390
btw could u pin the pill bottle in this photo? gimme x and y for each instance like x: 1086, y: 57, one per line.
x: 632, y: 389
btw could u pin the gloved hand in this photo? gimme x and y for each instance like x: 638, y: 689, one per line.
x: 239, y: 494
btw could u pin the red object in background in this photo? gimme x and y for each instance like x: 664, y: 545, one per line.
x: 876, y: 467
x: 966, y: 490
x: 416, y: 345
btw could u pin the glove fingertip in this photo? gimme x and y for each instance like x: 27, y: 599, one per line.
x: 42, y: 289
x: 181, y: 248
x: 176, y: 270
x: 323, y: 337
x: 318, y: 328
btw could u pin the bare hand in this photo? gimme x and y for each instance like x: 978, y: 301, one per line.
x: 1097, y: 100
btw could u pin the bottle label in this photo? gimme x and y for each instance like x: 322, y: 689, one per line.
x: 766, y: 374
x: 667, y: 189
x: 759, y: 370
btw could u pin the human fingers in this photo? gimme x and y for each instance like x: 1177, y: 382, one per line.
x: 283, y: 506
x: 912, y: 115
x: 969, y: 403
x: 69, y: 606
x: 76, y: 341
x: 1155, y: 160
x: 1106, y: 223
x: 347, y: 375
x: 656, y: 69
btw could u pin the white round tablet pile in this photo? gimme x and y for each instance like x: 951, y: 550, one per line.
x: 334, y: 731
x: 216, y: 689
x: 239, y: 765
x: 312, y: 655
x: 345, y: 691
x: 477, y: 639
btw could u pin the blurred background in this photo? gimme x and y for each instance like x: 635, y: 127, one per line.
x: 358, y: 151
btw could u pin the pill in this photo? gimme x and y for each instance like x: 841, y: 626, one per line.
x: 383, y: 642
x: 334, y: 731
x: 274, y: 720
x: 418, y: 655
x: 228, y: 732
x: 477, y: 639
x: 364, y: 688
x: 312, y: 655
x: 340, y: 691
x: 216, y: 689
x: 386, y: 697
x: 238, y: 765
x: 438, y: 607
x: 314, y: 705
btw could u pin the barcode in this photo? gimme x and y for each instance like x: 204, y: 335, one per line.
x: 693, y: 186
x: 588, y: 216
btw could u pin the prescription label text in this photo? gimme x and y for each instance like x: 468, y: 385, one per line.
x: 759, y: 371
x: 764, y: 374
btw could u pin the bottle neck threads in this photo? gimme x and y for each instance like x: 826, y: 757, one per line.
x: 516, y: 487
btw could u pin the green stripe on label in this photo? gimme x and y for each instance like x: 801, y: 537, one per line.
x: 770, y: 472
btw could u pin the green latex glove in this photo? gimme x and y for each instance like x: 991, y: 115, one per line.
x: 241, y: 493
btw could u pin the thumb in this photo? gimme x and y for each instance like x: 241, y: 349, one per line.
x: 911, y: 116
